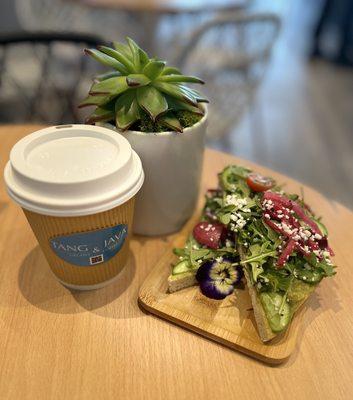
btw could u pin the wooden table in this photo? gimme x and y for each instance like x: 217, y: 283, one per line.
x: 55, y: 344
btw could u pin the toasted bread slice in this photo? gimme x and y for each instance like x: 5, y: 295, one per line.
x: 265, y: 332
x: 181, y: 281
x: 263, y: 326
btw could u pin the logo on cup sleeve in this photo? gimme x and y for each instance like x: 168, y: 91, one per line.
x: 90, y: 248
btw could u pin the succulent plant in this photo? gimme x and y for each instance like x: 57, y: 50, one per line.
x: 141, y: 90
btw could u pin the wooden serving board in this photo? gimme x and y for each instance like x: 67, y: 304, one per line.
x: 230, y: 321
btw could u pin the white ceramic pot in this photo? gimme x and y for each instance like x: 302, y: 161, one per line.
x: 173, y: 164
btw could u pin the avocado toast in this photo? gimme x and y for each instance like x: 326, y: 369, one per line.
x: 250, y: 227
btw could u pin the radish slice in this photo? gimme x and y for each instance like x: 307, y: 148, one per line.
x: 276, y: 227
x: 291, y: 245
x: 209, y: 234
x: 277, y: 198
x: 300, y: 212
x: 282, y: 200
x: 332, y: 253
x: 284, y: 216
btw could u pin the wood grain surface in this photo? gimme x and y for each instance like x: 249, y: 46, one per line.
x: 230, y: 321
x: 57, y: 344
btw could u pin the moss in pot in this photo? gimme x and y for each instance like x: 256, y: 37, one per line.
x: 164, y: 120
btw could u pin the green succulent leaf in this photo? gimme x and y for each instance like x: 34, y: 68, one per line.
x: 171, y: 71
x: 153, y: 69
x: 177, y: 105
x: 95, y: 100
x: 123, y: 49
x: 174, y: 90
x: 142, y: 92
x: 137, y: 80
x: 197, y: 95
x: 152, y: 101
x: 101, y: 114
x: 107, y: 75
x: 144, y: 59
x: 126, y: 110
x: 112, y: 86
x: 180, y: 78
x: 106, y: 60
x: 135, y: 51
x: 118, y: 56
x: 171, y: 122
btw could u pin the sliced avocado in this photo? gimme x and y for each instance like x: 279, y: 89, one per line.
x: 181, y: 267
x: 299, y: 291
x: 277, y: 309
x: 308, y: 275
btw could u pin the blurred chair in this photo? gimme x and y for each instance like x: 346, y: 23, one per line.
x: 43, y: 76
x: 230, y: 53
x: 66, y: 15
x: 50, y: 15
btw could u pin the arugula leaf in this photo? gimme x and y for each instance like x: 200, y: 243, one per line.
x: 321, y: 226
x: 224, y: 218
x: 271, y: 234
x: 256, y: 271
x: 193, y: 252
x: 278, y: 279
x: 198, y: 254
x: 243, y: 188
x: 322, y: 265
x: 259, y: 257
x: 179, y: 252
x: 326, y: 268
x: 233, y: 178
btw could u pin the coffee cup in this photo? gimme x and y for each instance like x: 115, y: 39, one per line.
x: 77, y: 185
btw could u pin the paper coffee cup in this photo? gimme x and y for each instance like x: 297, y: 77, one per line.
x: 77, y: 186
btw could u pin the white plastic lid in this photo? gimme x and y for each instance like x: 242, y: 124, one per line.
x: 72, y: 170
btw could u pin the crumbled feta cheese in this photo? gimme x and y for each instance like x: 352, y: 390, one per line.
x: 286, y: 228
x: 233, y: 199
x: 229, y: 243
